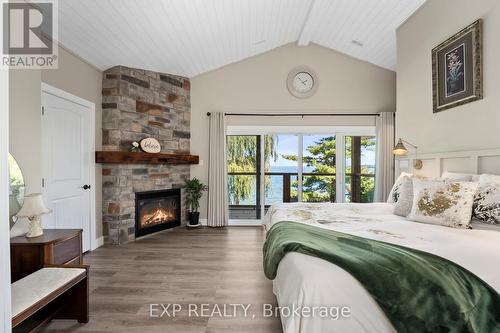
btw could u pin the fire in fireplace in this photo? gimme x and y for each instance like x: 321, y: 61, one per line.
x: 157, y: 210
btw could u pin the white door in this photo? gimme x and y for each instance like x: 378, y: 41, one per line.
x: 66, y: 154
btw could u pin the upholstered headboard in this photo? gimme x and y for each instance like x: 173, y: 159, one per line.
x: 475, y: 162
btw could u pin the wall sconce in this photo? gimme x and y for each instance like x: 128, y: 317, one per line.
x: 400, y: 150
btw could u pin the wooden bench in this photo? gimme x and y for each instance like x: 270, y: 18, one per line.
x: 53, y: 292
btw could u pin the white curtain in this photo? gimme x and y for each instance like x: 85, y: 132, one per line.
x: 218, y: 212
x: 384, y: 174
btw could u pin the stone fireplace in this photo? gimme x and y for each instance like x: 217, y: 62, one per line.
x: 137, y: 104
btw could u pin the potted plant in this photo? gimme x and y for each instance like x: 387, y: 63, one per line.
x: 194, y: 190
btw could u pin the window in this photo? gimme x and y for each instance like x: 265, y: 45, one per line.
x: 271, y: 168
x: 318, y: 168
x: 281, y: 168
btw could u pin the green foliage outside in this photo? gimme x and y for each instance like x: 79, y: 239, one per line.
x: 242, y: 154
x: 367, y: 183
x: 321, y: 157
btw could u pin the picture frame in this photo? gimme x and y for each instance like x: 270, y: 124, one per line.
x: 457, y: 69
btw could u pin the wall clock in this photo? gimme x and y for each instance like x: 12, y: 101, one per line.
x: 302, y: 82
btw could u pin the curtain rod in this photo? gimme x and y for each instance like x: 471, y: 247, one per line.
x: 301, y: 114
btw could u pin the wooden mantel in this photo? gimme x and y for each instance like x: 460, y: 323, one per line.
x: 125, y: 157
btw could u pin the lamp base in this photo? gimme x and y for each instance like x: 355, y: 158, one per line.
x: 34, y: 227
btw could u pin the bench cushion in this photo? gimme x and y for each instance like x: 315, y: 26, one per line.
x: 40, y: 284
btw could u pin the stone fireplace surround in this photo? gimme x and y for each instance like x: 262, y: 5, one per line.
x: 137, y: 104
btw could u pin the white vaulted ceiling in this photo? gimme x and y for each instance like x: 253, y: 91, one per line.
x: 190, y: 37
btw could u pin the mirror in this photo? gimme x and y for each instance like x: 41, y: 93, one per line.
x: 16, y: 192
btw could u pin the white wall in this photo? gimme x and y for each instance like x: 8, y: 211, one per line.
x: 81, y: 79
x: 258, y: 84
x: 468, y: 127
x: 74, y: 76
x: 24, y: 125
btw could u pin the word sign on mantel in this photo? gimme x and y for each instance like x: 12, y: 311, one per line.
x: 150, y: 145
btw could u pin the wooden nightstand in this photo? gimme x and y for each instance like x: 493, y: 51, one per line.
x: 55, y: 246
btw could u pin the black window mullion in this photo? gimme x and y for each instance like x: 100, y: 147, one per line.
x: 258, y: 178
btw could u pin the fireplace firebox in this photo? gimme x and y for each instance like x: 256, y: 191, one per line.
x: 157, y: 210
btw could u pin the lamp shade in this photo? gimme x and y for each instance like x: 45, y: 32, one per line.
x: 33, y: 206
x: 400, y: 148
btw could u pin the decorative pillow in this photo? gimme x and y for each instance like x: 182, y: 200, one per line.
x: 394, y: 194
x: 487, y: 200
x: 395, y: 191
x: 405, y: 200
x: 460, y: 177
x: 443, y: 203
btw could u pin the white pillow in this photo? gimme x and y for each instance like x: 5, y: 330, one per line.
x: 402, y: 207
x: 443, y: 203
x: 395, y: 191
x: 460, y: 177
x: 487, y: 200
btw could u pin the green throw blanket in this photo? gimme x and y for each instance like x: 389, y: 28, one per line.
x: 418, y: 291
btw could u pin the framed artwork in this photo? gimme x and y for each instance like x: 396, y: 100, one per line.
x: 457, y: 69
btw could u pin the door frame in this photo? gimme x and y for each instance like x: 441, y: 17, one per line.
x: 5, y: 286
x: 46, y: 88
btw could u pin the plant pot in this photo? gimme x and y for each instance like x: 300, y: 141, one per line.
x: 194, y: 218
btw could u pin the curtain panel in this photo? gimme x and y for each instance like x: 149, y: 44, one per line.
x: 218, y: 211
x: 384, y: 173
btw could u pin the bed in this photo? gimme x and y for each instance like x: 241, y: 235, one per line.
x: 309, y: 281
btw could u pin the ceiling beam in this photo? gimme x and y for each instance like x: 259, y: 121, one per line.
x: 309, y: 25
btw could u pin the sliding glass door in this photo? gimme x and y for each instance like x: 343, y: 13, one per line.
x: 243, y: 176
x: 270, y: 168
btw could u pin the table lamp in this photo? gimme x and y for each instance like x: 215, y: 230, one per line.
x: 33, y: 208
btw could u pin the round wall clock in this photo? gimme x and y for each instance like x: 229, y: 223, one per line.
x: 302, y: 82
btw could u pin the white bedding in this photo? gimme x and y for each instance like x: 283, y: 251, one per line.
x: 309, y: 281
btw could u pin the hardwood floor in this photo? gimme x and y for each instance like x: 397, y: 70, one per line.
x: 179, y: 266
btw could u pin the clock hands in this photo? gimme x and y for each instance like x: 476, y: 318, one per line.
x: 301, y: 83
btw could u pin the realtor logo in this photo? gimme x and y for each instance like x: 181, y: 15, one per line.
x: 28, y: 35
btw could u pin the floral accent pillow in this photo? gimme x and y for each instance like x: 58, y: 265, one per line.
x: 444, y: 203
x: 404, y: 203
x: 487, y: 200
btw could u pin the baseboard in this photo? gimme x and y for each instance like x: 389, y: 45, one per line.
x: 97, y: 243
x: 236, y: 223
x: 245, y: 223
